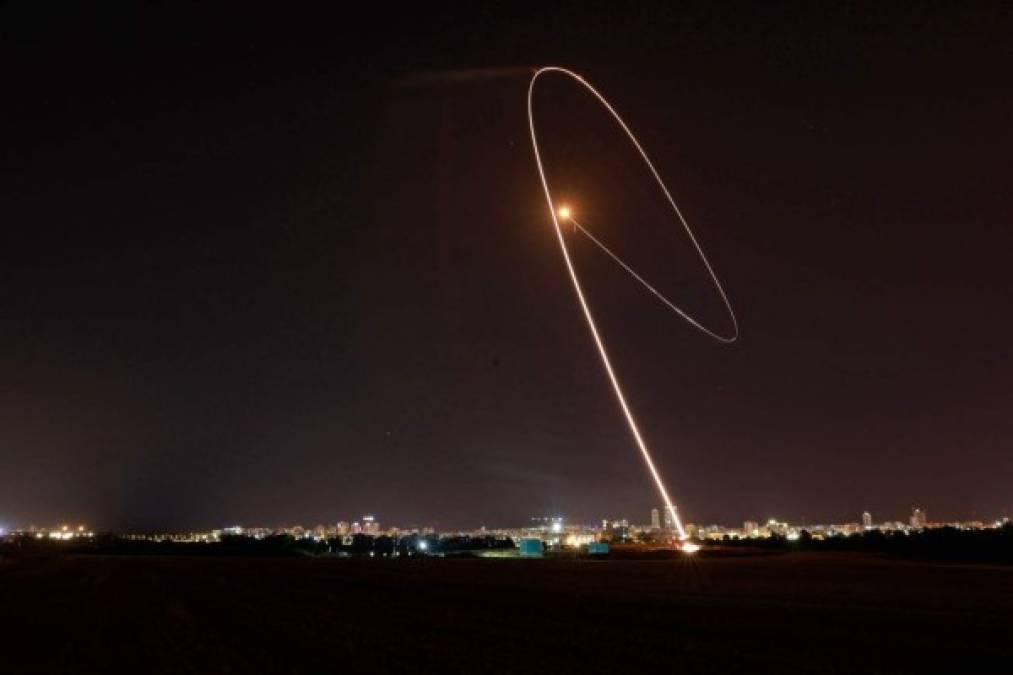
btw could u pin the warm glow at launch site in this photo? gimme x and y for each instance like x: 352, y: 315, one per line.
x: 564, y: 212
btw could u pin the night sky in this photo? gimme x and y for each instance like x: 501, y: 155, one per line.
x: 275, y: 267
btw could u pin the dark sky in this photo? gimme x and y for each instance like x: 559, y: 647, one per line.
x: 275, y: 266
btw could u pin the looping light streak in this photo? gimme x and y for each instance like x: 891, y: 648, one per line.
x: 598, y: 341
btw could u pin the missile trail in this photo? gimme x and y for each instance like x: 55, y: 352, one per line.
x: 643, y: 282
x: 565, y: 214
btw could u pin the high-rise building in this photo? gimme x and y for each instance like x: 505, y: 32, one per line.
x: 669, y: 519
x: 867, y: 520
x: 370, y: 525
x: 655, y: 519
x: 750, y: 528
x: 918, y: 519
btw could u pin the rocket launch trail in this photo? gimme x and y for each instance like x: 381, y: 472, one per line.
x: 564, y: 213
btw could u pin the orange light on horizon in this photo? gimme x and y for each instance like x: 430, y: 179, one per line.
x: 564, y: 212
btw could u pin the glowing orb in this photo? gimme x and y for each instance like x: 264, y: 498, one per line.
x: 564, y: 212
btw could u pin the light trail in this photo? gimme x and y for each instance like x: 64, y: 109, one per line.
x: 643, y: 282
x: 566, y: 214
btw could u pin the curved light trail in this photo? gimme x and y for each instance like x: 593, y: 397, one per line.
x: 564, y: 213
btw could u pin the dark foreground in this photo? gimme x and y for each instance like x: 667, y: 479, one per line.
x: 797, y: 612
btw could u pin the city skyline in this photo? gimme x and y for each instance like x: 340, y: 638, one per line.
x: 370, y: 524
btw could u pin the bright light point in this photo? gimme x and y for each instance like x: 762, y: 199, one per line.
x: 564, y: 212
x: 690, y: 547
x: 423, y: 545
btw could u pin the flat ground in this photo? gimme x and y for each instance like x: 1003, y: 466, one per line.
x: 797, y: 612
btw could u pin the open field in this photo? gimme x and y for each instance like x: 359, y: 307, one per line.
x: 796, y: 612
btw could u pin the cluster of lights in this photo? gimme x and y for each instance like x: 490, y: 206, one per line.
x: 65, y: 533
x: 578, y: 540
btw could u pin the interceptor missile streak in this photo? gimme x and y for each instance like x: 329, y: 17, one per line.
x: 564, y: 213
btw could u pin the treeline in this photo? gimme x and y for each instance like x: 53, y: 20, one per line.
x: 942, y: 543
x: 359, y: 545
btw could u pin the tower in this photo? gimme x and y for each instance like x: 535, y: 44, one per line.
x: 670, y: 519
x: 867, y: 521
x: 655, y: 520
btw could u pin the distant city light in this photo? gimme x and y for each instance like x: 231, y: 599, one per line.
x: 552, y: 533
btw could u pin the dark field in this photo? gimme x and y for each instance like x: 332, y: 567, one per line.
x: 796, y: 612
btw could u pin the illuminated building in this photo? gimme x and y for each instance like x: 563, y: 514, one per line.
x: 777, y: 528
x: 655, y: 520
x: 918, y: 519
x: 750, y: 528
x: 867, y: 520
x: 370, y: 525
x: 548, y: 523
x: 670, y: 519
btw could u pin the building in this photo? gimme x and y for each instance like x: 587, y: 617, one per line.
x: 750, y: 528
x: 918, y: 519
x: 655, y: 519
x: 618, y: 530
x: 777, y: 528
x: 669, y: 518
x: 867, y: 520
x: 370, y: 525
